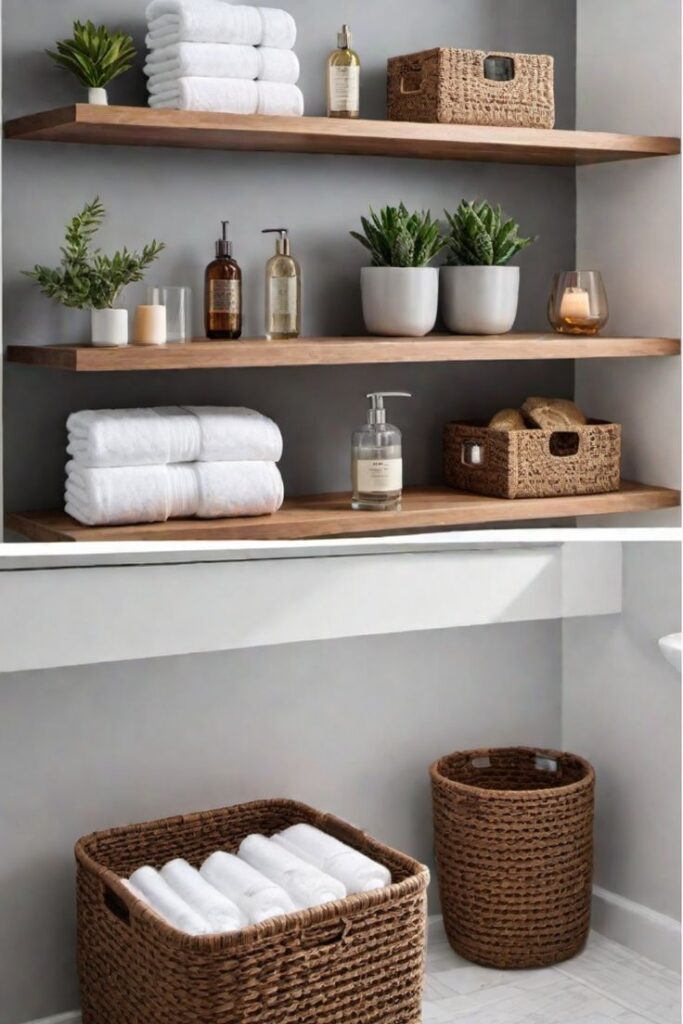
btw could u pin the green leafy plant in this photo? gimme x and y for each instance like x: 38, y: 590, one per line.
x: 397, y: 238
x: 85, y: 279
x: 481, y: 236
x: 94, y: 54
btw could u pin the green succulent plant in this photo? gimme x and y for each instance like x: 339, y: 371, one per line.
x: 481, y: 236
x: 397, y: 238
x: 94, y: 54
x: 85, y: 279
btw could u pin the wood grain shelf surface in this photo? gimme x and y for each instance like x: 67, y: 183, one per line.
x: 206, y: 355
x: 330, y: 515
x: 141, y: 126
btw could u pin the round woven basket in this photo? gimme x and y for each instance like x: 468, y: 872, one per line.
x: 514, y: 851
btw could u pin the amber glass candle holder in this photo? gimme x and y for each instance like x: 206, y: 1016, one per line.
x: 578, y: 302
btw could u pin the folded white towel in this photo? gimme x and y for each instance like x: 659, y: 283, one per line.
x: 222, y: 914
x: 307, y: 885
x: 148, y: 883
x: 358, y: 872
x: 257, y: 896
x: 152, y: 494
x: 220, y: 60
x: 231, y: 96
x: 214, y: 21
x: 154, y: 437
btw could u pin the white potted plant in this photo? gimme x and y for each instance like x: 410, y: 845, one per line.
x: 95, y: 56
x: 479, y: 291
x: 400, y: 292
x: 86, y: 279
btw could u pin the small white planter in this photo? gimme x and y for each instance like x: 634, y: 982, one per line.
x: 479, y: 300
x: 109, y: 327
x: 400, y: 301
x: 98, y: 97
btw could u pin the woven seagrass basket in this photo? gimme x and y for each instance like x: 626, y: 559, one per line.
x: 358, y: 959
x: 472, y: 87
x: 514, y: 851
x: 533, y: 463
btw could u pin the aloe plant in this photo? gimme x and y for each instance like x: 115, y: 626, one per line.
x: 397, y: 238
x: 94, y: 54
x: 481, y: 236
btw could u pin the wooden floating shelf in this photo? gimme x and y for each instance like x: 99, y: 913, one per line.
x: 330, y: 515
x: 141, y: 126
x: 207, y: 355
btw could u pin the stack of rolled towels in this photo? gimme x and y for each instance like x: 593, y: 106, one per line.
x: 296, y: 869
x: 215, y: 55
x: 150, y: 465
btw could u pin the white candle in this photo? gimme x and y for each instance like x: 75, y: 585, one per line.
x: 476, y: 455
x: 575, y: 304
x: 150, y: 325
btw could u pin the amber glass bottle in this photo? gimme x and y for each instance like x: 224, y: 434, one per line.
x: 223, y: 292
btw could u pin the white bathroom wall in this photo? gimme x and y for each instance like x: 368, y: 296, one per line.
x: 621, y: 709
x: 628, y: 224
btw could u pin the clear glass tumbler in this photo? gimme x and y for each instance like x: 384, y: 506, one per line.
x: 578, y: 302
x: 178, y: 303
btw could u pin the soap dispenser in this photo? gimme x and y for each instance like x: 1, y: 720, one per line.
x: 376, y: 459
x: 223, y: 292
x: 283, y: 290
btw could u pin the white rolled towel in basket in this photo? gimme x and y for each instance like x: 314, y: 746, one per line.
x: 306, y: 884
x: 358, y: 872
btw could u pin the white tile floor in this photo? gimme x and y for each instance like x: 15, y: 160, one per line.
x: 606, y: 984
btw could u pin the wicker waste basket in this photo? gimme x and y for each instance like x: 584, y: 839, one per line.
x: 451, y: 86
x: 358, y: 959
x: 514, y: 851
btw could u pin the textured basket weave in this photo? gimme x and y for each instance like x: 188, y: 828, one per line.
x: 359, y: 959
x: 450, y: 86
x: 534, y: 463
x: 514, y: 850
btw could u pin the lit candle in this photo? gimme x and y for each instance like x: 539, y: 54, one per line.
x: 150, y: 325
x: 575, y: 304
x: 476, y: 455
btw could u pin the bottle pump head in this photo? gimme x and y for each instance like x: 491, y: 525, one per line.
x: 282, y: 247
x: 344, y: 38
x: 377, y: 413
x: 223, y: 245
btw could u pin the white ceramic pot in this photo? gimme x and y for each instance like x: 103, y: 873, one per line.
x: 98, y: 97
x: 400, y: 301
x: 109, y: 328
x: 479, y: 300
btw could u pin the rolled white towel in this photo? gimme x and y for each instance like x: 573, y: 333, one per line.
x: 215, y: 21
x: 258, y: 897
x: 220, y: 60
x: 230, y: 96
x: 151, y: 437
x: 167, y: 903
x: 153, y: 494
x: 307, y: 885
x: 222, y: 914
x: 358, y: 872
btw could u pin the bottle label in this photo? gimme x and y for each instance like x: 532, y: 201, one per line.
x: 283, y: 296
x: 225, y: 296
x: 379, y: 476
x: 344, y: 88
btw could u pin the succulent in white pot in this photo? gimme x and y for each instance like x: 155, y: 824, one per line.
x: 87, y: 279
x: 95, y: 56
x: 400, y: 291
x: 479, y: 290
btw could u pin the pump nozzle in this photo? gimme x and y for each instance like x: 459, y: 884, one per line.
x: 344, y: 38
x: 377, y: 412
x: 282, y: 244
x: 223, y: 245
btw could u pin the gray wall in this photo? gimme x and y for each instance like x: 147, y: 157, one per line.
x: 349, y: 726
x: 622, y: 710
x: 180, y: 196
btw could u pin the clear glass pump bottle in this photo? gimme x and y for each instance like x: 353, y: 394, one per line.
x: 283, y: 290
x: 377, y: 459
x: 343, y: 78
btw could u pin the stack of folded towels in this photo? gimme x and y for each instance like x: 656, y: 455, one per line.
x: 150, y: 465
x: 214, y: 55
x: 298, y: 868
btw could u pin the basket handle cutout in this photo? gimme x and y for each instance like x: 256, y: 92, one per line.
x: 473, y: 454
x: 116, y: 906
x: 333, y: 936
x: 499, y: 69
x: 411, y: 83
x: 564, y: 443
x: 545, y: 764
x: 480, y: 762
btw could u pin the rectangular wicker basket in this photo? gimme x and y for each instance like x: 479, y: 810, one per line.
x: 533, y: 463
x: 359, y: 959
x: 453, y: 87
